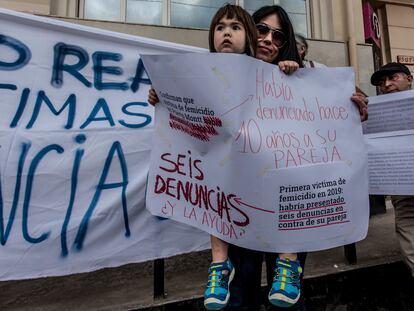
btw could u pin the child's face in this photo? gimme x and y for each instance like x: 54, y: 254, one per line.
x: 229, y: 36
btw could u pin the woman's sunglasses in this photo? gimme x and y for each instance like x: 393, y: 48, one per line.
x: 278, y: 37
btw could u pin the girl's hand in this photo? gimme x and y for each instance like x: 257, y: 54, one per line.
x: 288, y: 66
x: 152, y: 97
x: 361, y: 101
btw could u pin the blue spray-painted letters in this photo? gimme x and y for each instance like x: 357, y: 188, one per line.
x: 24, y: 53
x: 80, y: 139
x: 61, y: 50
x: 100, y: 105
x: 114, y: 152
x: 139, y: 77
x: 6, y: 86
x: 29, y: 183
x: 4, y: 233
x: 20, y: 108
x: 98, y: 68
x: 42, y: 98
x: 147, y: 118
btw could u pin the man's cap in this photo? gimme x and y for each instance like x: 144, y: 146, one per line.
x: 388, y: 69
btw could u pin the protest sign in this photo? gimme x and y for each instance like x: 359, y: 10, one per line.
x: 392, y: 112
x: 389, y: 133
x: 75, y: 139
x: 255, y: 157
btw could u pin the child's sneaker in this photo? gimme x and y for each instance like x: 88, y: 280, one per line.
x: 285, y: 290
x: 217, y: 293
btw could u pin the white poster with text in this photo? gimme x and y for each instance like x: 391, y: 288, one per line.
x: 255, y: 157
x: 389, y: 137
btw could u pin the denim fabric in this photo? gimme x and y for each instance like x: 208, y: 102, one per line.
x: 245, y: 289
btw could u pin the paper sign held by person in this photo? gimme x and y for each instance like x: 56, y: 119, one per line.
x: 255, y: 157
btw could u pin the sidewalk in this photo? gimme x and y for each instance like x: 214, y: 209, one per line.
x: 131, y: 286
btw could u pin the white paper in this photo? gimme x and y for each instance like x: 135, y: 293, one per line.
x: 229, y: 126
x: 389, y: 140
x: 310, y: 208
x: 391, y: 164
x: 390, y: 113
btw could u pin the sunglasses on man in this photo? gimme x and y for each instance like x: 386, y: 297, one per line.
x: 278, y: 37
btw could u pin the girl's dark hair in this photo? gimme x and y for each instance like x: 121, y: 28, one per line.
x: 234, y: 11
x: 289, y: 51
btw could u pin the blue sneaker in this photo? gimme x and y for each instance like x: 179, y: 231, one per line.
x: 285, y: 291
x: 217, y: 294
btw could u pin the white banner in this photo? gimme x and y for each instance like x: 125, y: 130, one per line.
x: 75, y: 139
x: 389, y: 136
x: 255, y: 157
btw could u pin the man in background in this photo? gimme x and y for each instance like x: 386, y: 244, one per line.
x: 391, y: 78
x: 303, y: 47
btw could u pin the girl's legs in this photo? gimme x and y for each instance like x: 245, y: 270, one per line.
x: 270, y: 272
x: 219, y: 249
x: 285, y: 290
x: 290, y: 256
x: 220, y: 274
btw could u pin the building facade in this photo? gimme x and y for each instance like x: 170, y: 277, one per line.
x: 359, y: 33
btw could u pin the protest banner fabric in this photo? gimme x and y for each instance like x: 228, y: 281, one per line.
x: 75, y: 139
x: 258, y: 158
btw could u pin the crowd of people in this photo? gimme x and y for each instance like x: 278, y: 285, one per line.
x: 268, y: 35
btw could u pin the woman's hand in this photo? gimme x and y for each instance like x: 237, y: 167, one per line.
x: 361, y: 101
x: 288, y: 66
x: 153, y: 97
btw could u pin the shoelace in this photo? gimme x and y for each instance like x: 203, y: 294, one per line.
x: 213, y: 282
x: 292, y: 279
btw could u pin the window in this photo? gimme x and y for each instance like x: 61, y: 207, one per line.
x: 297, y: 14
x: 195, y: 13
x: 184, y: 13
x: 144, y: 11
x: 253, y: 5
x: 109, y: 10
x: 296, y: 10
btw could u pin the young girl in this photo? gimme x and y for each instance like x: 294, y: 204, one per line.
x: 232, y: 30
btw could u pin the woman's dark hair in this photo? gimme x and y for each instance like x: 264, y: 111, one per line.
x: 234, y: 11
x: 289, y: 51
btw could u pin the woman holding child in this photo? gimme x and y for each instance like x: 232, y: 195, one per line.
x: 276, y: 44
x: 268, y: 36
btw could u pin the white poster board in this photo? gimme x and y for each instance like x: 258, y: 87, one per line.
x: 75, y: 140
x: 257, y: 158
x: 389, y: 138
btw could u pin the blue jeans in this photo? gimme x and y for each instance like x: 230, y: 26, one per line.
x: 245, y: 289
